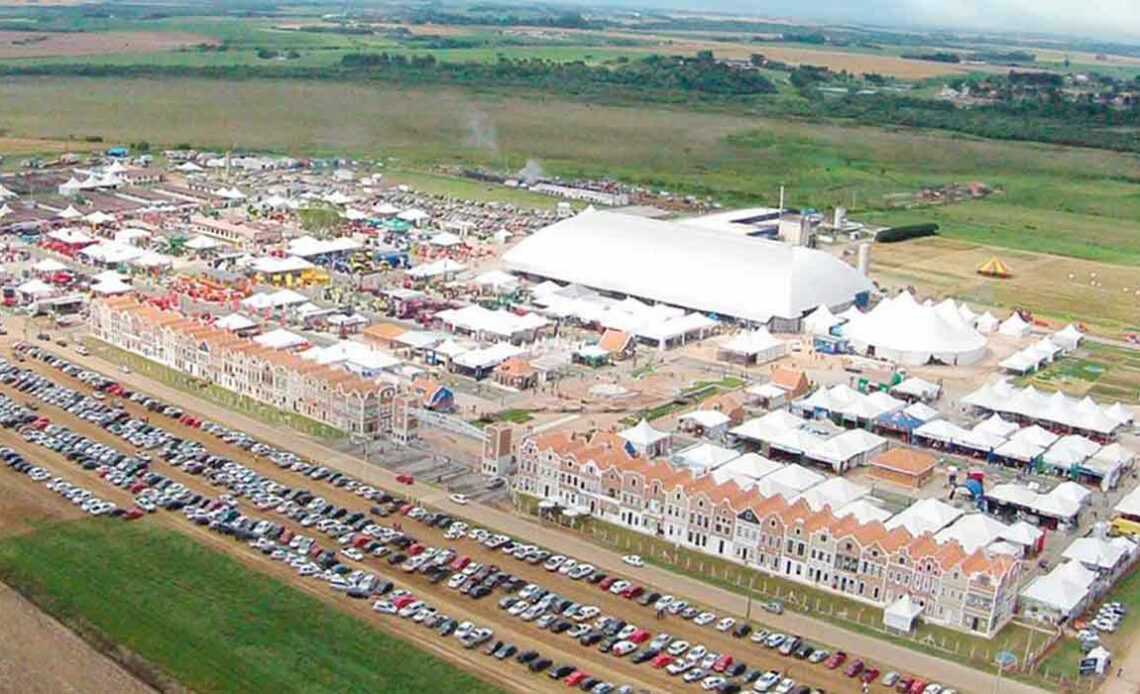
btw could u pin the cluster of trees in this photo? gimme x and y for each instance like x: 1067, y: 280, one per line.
x: 701, y: 75
x: 936, y: 56
x: 562, y: 20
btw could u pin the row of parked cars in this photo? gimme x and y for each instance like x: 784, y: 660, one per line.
x: 86, y: 500
x: 438, y: 564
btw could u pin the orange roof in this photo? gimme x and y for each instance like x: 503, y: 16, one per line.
x: 384, y: 332
x: 905, y: 460
x: 614, y: 340
x: 950, y: 554
x: 788, y: 379
x: 516, y: 367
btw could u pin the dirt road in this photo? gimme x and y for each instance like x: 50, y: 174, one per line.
x: 724, y: 602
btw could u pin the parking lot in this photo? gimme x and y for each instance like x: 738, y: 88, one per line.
x: 508, y: 628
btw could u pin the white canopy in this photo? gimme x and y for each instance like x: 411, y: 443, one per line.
x: 820, y: 321
x: 642, y: 435
x: 1069, y: 337
x: 1100, y: 554
x: 917, y: 388
x: 1014, y: 326
x: 1062, y: 589
x: 443, y: 266
x: 280, y: 339
x: 235, y: 321
x: 901, y: 330
x: 1031, y: 403
x: 36, y: 288
x: 766, y: 428
x: 901, y: 613
x: 201, y: 243
x: 49, y: 265
x: 987, y: 323
x: 758, y: 344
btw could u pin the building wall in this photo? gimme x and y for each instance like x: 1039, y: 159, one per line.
x: 802, y: 550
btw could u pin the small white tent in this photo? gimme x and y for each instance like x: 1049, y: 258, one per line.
x: 900, y: 614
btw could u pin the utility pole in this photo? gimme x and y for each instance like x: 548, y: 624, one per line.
x: 751, y: 586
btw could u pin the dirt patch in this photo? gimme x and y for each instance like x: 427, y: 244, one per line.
x: 32, y: 44
x: 31, y: 145
x: 26, y: 505
x: 40, y: 656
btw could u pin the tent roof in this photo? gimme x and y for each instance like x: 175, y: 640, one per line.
x: 643, y: 434
x: 704, y: 270
x: 915, y: 333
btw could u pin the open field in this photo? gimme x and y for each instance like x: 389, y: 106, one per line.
x: 38, y: 655
x: 30, y: 44
x: 1040, y: 282
x: 276, y: 639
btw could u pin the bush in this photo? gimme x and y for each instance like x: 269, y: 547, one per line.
x: 905, y: 233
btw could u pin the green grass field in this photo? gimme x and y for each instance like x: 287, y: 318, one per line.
x: 208, y: 621
x: 1077, y: 202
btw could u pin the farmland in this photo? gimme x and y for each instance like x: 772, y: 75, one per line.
x: 274, y: 638
x: 1074, y: 202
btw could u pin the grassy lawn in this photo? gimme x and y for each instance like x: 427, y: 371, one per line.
x: 208, y: 621
x: 215, y: 394
x: 469, y: 189
x: 515, y: 416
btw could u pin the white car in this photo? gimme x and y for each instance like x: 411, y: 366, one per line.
x: 633, y: 560
x: 710, y: 683
x: 786, y: 685
x: 678, y: 666
x: 622, y: 648
x: 725, y: 624
x: 704, y: 618
x: 619, y: 586
x: 677, y: 648
x: 460, y: 499
x: 384, y: 607
x: 767, y: 681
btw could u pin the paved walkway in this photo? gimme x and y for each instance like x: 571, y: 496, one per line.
x: 965, y: 679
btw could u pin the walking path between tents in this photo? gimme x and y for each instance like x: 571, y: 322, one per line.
x: 903, y: 659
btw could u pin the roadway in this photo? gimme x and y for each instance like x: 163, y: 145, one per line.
x: 719, y: 600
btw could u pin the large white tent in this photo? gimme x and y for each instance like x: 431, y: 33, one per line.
x: 704, y: 270
x: 904, y: 331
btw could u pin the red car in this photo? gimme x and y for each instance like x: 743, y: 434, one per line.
x: 639, y: 637
x: 416, y: 549
x: 662, y: 660
x: 870, y: 675
x: 903, y: 685
x: 405, y: 479
x: 576, y: 678
x: 854, y: 668
x: 460, y: 563
x: 403, y: 601
x: 917, y: 686
x: 722, y: 663
x: 837, y: 658
x: 632, y: 592
x: 607, y: 582
x: 133, y: 513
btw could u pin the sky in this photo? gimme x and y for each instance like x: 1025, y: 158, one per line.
x: 1101, y: 19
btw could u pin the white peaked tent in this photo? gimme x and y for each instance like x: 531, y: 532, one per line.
x: 643, y: 437
x: 757, y: 345
x: 70, y: 213
x: 820, y: 321
x: 1014, y: 326
x: 189, y: 167
x: 987, y: 323
x: 996, y: 425
x: 1068, y: 338
x: 968, y: 316
x: 901, y: 330
x: 901, y: 613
